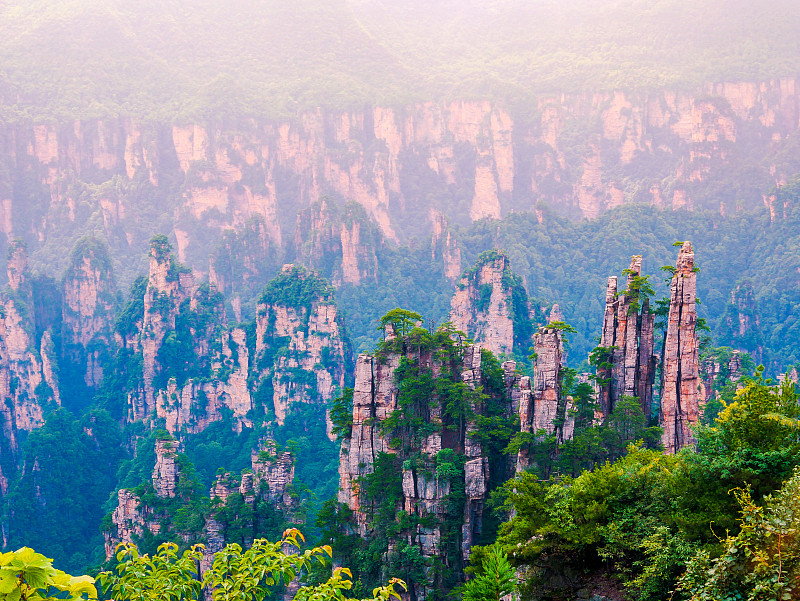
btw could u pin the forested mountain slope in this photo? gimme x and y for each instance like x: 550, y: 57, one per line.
x: 168, y: 60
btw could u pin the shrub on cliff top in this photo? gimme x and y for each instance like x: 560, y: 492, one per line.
x: 296, y: 287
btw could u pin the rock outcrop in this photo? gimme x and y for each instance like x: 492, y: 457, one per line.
x: 483, y: 305
x: 243, y: 262
x: 28, y: 381
x: 165, y: 472
x: 423, y: 458
x: 680, y: 366
x: 192, y: 365
x: 626, y: 364
x: 269, y: 481
x: 444, y: 247
x: 88, y: 309
x: 300, y: 349
x: 273, y: 473
x: 542, y: 407
x: 338, y: 242
x: 132, y: 518
x: 741, y: 323
x: 719, y: 369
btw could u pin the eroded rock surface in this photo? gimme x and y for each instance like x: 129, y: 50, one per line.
x: 680, y: 370
x: 627, y: 363
x: 482, y: 305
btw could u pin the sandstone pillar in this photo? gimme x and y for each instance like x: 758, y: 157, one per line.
x: 680, y: 373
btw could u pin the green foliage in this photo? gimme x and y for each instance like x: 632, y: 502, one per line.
x: 494, y: 424
x: 93, y: 249
x: 341, y: 414
x: 44, y: 510
x: 255, y: 61
x: 401, y: 320
x: 162, y: 575
x: 235, y: 574
x: 562, y: 327
x: 133, y: 312
x: 642, y: 518
x: 638, y: 291
x: 495, y: 580
x: 723, y: 387
x: 762, y: 561
x: 29, y: 576
x: 196, y: 319
x: 298, y: 288
x: 316, y: 458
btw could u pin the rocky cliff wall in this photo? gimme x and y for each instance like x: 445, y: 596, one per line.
x: 89, y: 309
x: 581, y: 153
x: 741, y: 323
x: 268, y: 481
x: 482, y: 305
x: 300, y: 343
x: 28, y: 378
x: 339, y: 243
x: 192, y: 364
x: 542, y: 405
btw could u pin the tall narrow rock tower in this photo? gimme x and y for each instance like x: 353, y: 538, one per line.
x: 680, y: 372
x: 627, y: 337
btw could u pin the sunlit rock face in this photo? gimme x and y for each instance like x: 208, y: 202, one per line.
x: 481, y: 305
x: 680, y: 371
x: 403, y: 166
x: 88, y: 308
x: 627, y: 365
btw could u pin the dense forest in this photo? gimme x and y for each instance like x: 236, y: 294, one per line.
x: 167, y: 61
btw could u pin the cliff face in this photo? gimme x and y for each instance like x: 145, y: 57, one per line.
x: 680, y: 365
x: 340, y: 243
x: 269, y: 483
x: 374, y: 399
x: 483, y: 304
x: 27, y: 379
x: 403, y: 450
x: 468, y: 159
x: 741, y: 323
x: 719, y: 369
x: 165, y: 472
x: 300, y: 353
x: 132, y: 518
x: 234, y: 501
x: 627, y: 365
x: 88, y: 310
x: 192, y: 365
x: 445, y: 247
x: 542, y: 407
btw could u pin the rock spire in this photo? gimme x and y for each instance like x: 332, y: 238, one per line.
x: 541, y: 406
x: 680, y: 372
x: 483, y: 304
x: 442, y: 451
x: 626, y: 361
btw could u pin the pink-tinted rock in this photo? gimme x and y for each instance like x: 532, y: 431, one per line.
x: 626, y: 341
x: 680, y: 371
